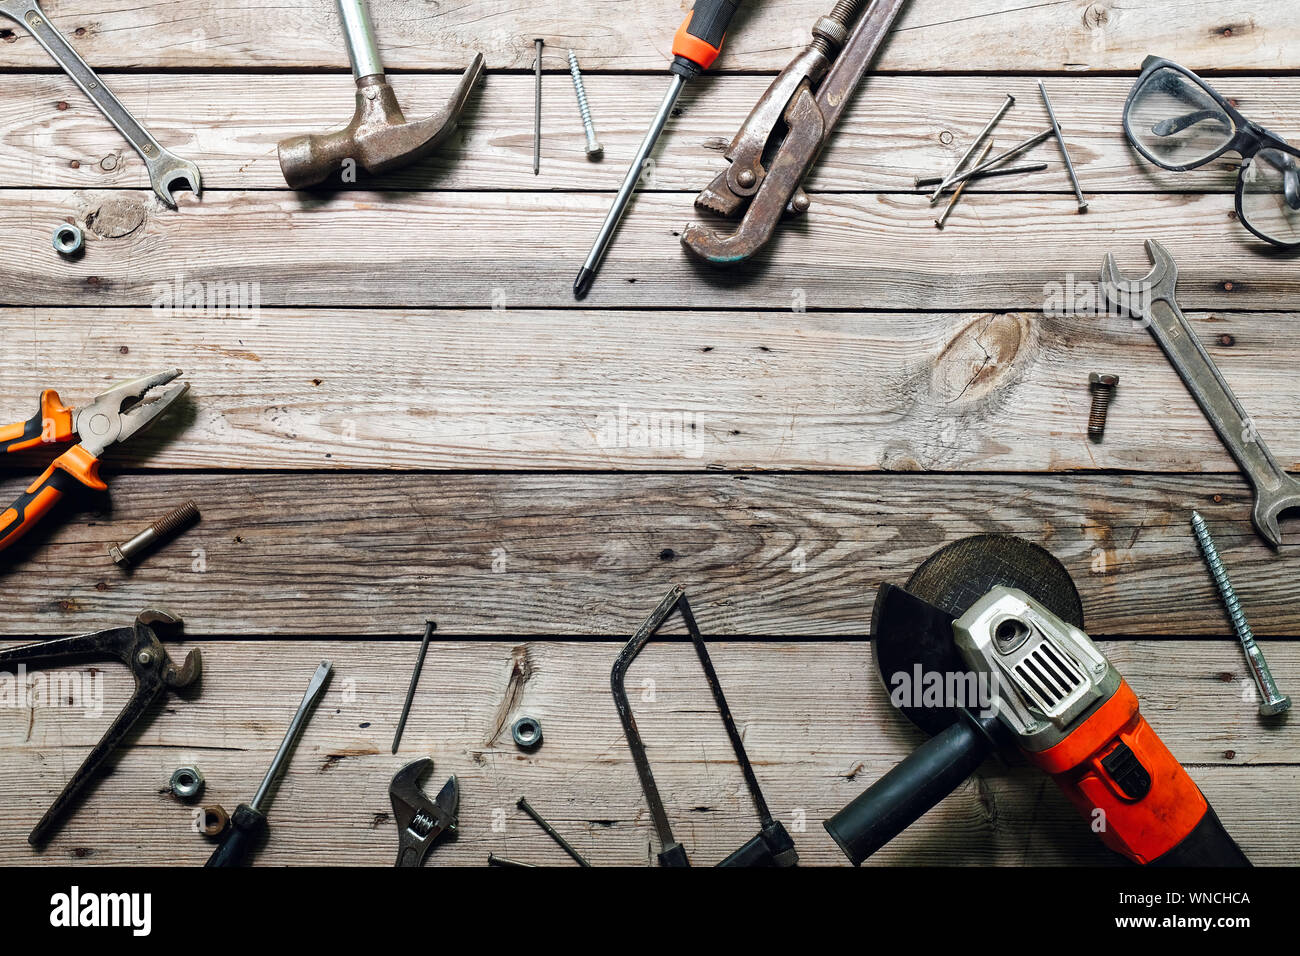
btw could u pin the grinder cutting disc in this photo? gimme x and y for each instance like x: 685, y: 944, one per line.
x: 905, y: 632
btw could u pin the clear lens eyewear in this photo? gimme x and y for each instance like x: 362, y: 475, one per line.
x: 1177, y: 121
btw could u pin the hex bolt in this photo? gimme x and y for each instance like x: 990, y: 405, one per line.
x: 1272, y: 701
x: 594, y: 149
x: 1103, y: 390
x: 158, y: 533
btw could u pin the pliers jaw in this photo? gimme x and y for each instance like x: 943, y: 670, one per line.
x: 126, y: 409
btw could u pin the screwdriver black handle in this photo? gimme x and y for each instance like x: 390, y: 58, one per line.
x: 246, y: 827
x: 699, y: 39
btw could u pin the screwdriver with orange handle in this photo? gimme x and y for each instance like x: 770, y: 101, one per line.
x: 112, y: 417
x: 696, y: 45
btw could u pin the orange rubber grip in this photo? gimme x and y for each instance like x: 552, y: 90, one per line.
x: 53, y: 423
x: 74, y: 467
x: 699, y: 38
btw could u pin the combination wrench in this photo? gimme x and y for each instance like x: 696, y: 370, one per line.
x: 1151, y: 298
x: 164, y: 168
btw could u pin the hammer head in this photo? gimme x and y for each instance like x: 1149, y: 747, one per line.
x: 379, y: 138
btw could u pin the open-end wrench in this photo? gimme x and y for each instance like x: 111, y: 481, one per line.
x: 420, y: 821
x: 164, y: 167
x: 1151, y: 298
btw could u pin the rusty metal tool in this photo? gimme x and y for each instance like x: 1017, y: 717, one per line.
x: 138, y: 646
x: 429, y: 628
x: 696, y: 46
x: 1152, y: 299
x: 379, y: 138
x: 248, y: 822
x: 420, y: 820
x: 785, y: 133
x: 165, y: 169
x: 113, y: 416
x: 773, y: 845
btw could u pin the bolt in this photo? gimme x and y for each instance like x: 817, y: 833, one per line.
x: 1272, y: 701
x: 161, y: 531
x: 1103, y: 390
x: 594, y: 149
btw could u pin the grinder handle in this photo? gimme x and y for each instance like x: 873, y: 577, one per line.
x: 902, y: 796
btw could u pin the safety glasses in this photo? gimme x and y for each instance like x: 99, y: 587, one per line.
x: 1178, y: 121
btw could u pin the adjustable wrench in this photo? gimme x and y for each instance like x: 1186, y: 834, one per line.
x: 164, y: 167
x: 420, y: 821
x: 1152, y: 299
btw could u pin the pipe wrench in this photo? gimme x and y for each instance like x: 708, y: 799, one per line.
x: 783, y: 136
x: 164, y: 167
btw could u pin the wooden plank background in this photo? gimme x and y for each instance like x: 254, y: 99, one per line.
x: 401, y: 426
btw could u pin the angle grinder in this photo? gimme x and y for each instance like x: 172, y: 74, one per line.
x: 984, y: 649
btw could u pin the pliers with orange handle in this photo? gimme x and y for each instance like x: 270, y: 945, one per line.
x: 116, y: 415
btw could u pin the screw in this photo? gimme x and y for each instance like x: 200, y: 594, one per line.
x: 1272, y: 700
x: 161, y: 531
x: 523, y: 805
x: 1103, y: 390
x: 594, y: 149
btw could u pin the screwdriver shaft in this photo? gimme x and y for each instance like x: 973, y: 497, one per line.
x: 314, y: 690
x: 583, y: 282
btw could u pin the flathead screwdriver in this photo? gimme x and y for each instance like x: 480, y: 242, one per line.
x: 695, y: 47
x: 249, y: 819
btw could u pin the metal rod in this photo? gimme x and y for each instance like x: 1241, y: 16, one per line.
x: 1069, y: 166
x: 922, y: 182
x: 588, y: 271
x: 956, y: 195
x: 363, y: 48
x: 314, y: 689
x: 429, y: 627
x: 970, y: 151
x: 551, y: 832
x: 537, y: 110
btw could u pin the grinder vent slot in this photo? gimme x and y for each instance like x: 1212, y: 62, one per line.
x: 1048, y: 675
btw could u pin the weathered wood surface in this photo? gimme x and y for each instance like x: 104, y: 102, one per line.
x: 853, y: 251
x: 815, y: 720
x: 557, y: 555
x: 982, y: 36
x: 898, y: 128
x: 519, y: 388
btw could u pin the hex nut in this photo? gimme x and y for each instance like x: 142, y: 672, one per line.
x: 527, y: 733
x: 68, y: 240
x: 187, y: 783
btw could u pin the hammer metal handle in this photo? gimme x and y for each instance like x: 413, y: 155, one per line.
x: 363, y: 48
